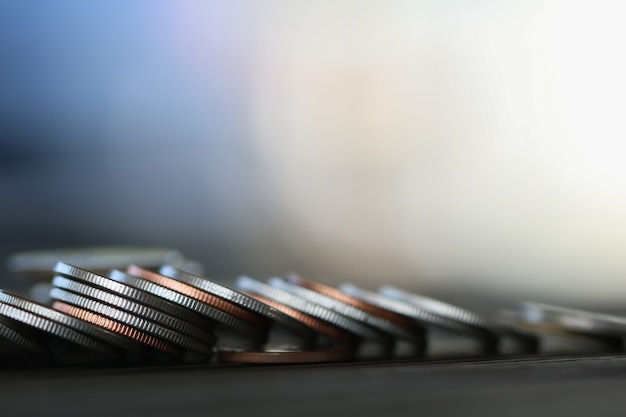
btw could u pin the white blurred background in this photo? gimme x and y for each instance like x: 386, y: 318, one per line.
x: 431, y: 144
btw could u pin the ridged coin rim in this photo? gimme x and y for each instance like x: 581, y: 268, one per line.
x: 197, y: 306
x: 124, y: 290
x: 133, y: 307
x: 69, y: 321
x: 56, y: 329
x: 130, y: 319
x: 313, y: 309
x: 241, y: 299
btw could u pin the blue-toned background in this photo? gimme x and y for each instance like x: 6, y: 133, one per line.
x: 432, y: 144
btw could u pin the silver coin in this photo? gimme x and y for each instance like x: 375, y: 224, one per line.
x: 56, y: 329
x: 409, y: 310
x: 352, y: 312
x: 203, y: 309
x: 304, y: 332
x: 10, y: 334
x: 312, y: 309
x: 131, y: 293
x: 573, y: 320
x: 130, y: 306
x: 97, y: 258
x: 71, y: 322
x: 482, y: 327
x: 131, y: 320
x: 437, y: 307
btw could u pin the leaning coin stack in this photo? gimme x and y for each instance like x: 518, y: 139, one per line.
x: 168, y: 315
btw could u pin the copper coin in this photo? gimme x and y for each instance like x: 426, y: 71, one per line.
x: 409, y: 310
x: 204, y: 310
x: 339, y: 295
x: 353, y: 326
x: 116, y: 327
x: 100, y: 281
x: 317, y: 325
x: 122, y: 315
x: 71, y: 322
x: 58, y: 330
x: 338, y: 354
x: 198, y: 294
x: 130, y: 306
x: 380, y: 318
x: 304, y: 333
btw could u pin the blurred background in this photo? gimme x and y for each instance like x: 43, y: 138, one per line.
x: 447, y: 146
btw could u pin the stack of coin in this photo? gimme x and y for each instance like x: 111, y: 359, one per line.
x: 392, y: 323
x: 286, y: 331
x: 452, y: 320
x: 564, y: 330
x: 378, y: 329
x: 135, y: 314
x: 334, y: 343
x: 47, y: 336
x: 233, y: 323
x: 172, y: 315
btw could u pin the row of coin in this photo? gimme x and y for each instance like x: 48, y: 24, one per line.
x: 175, y: 316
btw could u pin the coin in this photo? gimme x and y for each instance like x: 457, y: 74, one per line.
x: 303, y: 332
x: 199, y: 294
x: 336, y: 354
x: 410, y: 310
x: 134, y: 294
x: 315, y: 310
x: 384, y: 326
x: 345, y: 351
x: 572, y: 320
x: 398, y: 325
x: 69, y: 321
x: 379, y: 345
x: 132, y: 320
x: 102, y: 258
x: 438, y: 307
x: 221, y: 291
x: 316, y: 325
x: 132, y: 307
x: 565, y: 331
x: 16, y: 344
x: 64, y: 337
x: 489, y: 330
x: 205, y: 310
x: 116, y: 327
